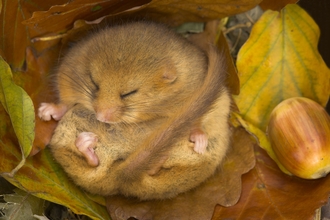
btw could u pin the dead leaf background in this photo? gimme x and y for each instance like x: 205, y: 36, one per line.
x: 267, y: 193
x: 11, y: 17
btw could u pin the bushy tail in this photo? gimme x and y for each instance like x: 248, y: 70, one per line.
x: 155, y: 149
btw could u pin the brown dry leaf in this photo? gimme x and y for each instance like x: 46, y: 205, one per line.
x: 11, y: 17
x: 223, y: 188
x: 233, y: 79
x: 177, y: 12
x: 15, y: 36
x: 276, y: 5
x: 268, y: 193
x: 38, y: 67
x: 60, y: 18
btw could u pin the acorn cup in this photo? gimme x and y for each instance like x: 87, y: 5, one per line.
x: 299, y: 133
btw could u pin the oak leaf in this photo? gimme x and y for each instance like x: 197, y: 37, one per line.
x: 268, y: 193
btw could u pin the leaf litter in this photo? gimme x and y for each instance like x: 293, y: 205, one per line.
x: 257, y: 190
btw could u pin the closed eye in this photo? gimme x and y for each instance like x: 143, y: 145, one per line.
x: 125, y: 95
x: 94, y: 83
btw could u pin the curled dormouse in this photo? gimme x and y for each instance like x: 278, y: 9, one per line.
x: 144, y: 91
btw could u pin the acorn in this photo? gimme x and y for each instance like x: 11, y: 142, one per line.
x: 299, y: 133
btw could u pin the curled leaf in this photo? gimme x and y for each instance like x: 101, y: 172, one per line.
x: 177, y: 12
x: 60, y: 18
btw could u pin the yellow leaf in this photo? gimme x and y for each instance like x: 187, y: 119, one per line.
x: 19, y: 106
x: 280, y: 60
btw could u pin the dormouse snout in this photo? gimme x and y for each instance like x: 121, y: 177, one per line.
x: 108, y: 115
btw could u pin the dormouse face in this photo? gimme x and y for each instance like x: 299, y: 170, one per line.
x: 132, y: 95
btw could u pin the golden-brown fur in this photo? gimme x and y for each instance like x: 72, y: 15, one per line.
x: 151, y: 87
x: 183, y: 170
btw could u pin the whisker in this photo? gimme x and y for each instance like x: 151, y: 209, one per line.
x: 132, y: 122
x: 142, y: 108
x: 80, y: 84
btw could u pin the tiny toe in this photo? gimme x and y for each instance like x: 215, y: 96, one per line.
x: 86, y: 139
x: 200, y: 144
x: 86, y: 142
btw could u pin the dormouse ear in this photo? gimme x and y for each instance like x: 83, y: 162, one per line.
x: 169, y: 73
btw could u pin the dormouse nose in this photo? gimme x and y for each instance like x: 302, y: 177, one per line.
x: 108, y: 115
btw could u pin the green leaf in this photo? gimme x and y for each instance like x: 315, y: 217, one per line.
x: 40, y: 176
x: 19, y: 106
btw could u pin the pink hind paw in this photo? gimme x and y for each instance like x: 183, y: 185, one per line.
x: 86, y: 142
x: 47, y: 111
x: 198, y: 137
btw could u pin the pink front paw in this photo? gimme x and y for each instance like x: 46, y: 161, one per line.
x: 86, y: 142
x: 200, y: 139
x: 47, y: 111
